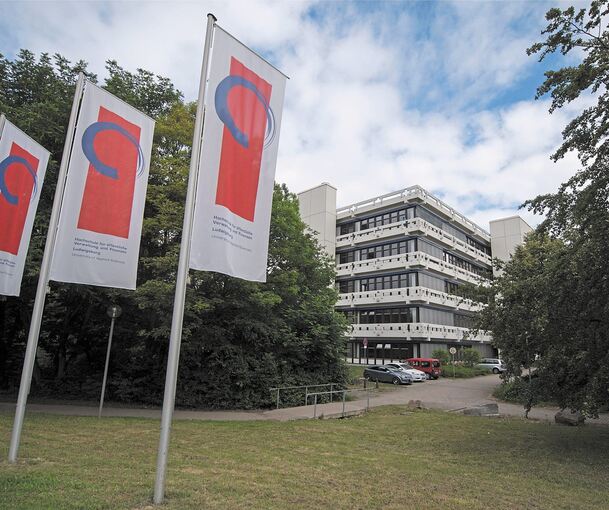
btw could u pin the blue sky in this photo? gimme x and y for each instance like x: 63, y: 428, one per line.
x: 382, y: 95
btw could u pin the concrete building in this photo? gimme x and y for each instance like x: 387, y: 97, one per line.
x: 506, y: 234
x: 400, y: 259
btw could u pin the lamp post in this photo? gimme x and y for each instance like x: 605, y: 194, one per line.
x: 113, y: 312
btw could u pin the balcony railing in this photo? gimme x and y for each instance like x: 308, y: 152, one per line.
x: 405, y: 195
x: 407, y: 295
x: 411, y: 331
x: 411, y: 227
x: 415, y: 259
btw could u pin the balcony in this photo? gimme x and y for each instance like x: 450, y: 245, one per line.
x: 416, y: 259
x: 414, y: 331
x: 407, y: 295
x: 412, y: 194
x: 412, y: 227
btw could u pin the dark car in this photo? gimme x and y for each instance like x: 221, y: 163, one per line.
x: 387, y: 374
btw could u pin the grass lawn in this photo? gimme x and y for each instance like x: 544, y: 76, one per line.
x: 387, y: 459
x: 355, y: 372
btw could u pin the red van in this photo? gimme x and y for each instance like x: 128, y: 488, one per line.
x: 430, y: 366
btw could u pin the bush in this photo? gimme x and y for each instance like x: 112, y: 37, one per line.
x: 519, y: 391
x: 463, y: 372
x: 442, y: 355
x: 470, y: 357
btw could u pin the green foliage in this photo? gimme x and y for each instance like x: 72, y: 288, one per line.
x: 442, y: 355
x: 543, y: 317
x: 552, y: 301
x: 521, y: 390
x: 240, y: 338
x: 462, y: 371
x: 470, y: 357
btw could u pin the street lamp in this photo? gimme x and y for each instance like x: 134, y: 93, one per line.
x: 113, y: 312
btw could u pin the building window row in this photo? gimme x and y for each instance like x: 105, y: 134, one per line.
x: 381, y: 250
x: 388, y: 315
x: 410, y: 314
x: 376, y: 221
x: 409, y: 246
x: 408, y: 214
x: 396, y: 281
x: 479, y: 246
x: 467, y: 265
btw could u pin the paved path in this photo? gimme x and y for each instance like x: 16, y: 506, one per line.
x: 445, y: 394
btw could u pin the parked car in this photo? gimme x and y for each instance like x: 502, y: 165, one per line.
x: 430, y: 366
x: 495, y: 365
x: 417, y: 375
x: 387, y: 374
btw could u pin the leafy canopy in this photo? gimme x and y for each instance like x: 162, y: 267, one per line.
x: 240, y: 338
x: 550, y: 307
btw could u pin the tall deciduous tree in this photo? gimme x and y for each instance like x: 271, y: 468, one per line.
x: 553, y: 298
x: 240, y: 338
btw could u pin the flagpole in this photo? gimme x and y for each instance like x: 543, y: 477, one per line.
x: 175, y: 339
x: 2, y: 119
x: 43, y: 278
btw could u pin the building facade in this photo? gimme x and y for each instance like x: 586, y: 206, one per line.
x: 400, y: 260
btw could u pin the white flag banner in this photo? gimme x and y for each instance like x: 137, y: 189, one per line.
x: 23, y: 163
x: 100, y: 225
x: 237, y: 165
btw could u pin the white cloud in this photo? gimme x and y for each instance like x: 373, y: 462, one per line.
x: 376, y: 101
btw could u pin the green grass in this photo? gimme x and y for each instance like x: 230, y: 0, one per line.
x: 386, y: 459
x: 355, y: 372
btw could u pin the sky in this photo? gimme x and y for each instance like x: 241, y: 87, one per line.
x: 381, y: 96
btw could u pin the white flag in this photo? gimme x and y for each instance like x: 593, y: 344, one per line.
x: 100, y: 224
x: 23, y: 163
x: 237, y: 165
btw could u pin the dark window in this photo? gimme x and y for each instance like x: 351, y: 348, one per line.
x: 351, y: 316
x: 386, y: 218
x: 479, y: 246
x: 346, y: 286
x: 346, y: 228
x: 464, y: 321
x: 467, y: 265
x: 387, y: 315
x: 346, y: 256
x: 394, y: 281
x: 451, y: 287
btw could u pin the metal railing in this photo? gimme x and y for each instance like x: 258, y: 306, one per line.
x: 344, y: 394
x: 331, y: 392
x: 306, y: 388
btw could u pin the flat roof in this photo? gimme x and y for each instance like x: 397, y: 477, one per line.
x: 404, y: 192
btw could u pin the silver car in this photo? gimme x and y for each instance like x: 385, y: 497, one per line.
x: 495, y: 365
x: 417, y: 375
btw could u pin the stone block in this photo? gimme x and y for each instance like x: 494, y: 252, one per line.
x: 569, y: 418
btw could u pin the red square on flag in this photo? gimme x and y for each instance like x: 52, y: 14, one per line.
x: 107, y: 202
x: 20, y: 183
x: 239, y: 170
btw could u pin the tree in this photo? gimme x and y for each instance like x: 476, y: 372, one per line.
x: 551, y: 305
x: 442, y: 355
x: 240, y: 338
x: 470, y: 357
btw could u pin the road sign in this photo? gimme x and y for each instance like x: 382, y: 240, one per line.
x: 452, y: 350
